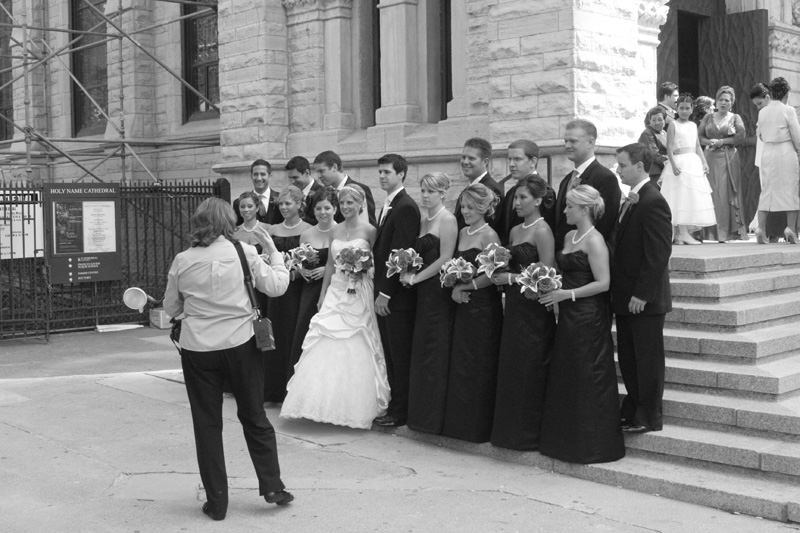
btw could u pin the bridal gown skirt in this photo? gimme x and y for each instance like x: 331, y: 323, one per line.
x: 341, y: 375
x: 689, y: 193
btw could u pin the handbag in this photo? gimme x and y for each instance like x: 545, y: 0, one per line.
x: 262, y: 327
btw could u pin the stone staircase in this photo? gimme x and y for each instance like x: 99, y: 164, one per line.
x: 731, y: 437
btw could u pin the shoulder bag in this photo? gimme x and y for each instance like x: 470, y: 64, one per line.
x: 262, y: 327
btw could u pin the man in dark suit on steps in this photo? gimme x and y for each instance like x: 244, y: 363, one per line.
x: 475, y: 159
x: 394, y: 304
x: 328, y: 165
x: 298, y: 170
x: 640, y: 290
x: 579, y: 143
x: 268, y: 211
x: 523, y: 156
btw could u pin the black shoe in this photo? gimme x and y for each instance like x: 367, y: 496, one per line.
x: 390, y: 421
x: 279, y: 498
x: 214, y: 515
x: 633, y: 428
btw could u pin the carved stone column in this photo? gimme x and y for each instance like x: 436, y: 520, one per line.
x: 399, y: 63
x: 652, y: 14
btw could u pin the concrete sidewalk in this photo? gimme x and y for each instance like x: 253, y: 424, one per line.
x: 96, y: 436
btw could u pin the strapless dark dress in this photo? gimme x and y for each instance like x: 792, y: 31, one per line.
x: 528, y: 332
x: 282, y: 311
x: 430, y: 349
x: 309, y: 296
x: 581, y: 417
x: 472, y: 376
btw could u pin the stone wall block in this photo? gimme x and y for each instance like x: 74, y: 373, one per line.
x: 259, y: 87
x: 500, y: 86
x: 306, y: 117
x: 530, y: 25
x: 504, y: 132
x: 553, y: 81
x: 547, y: 42
x: 521, y: 8
x: 504, y: 49
x: 562, y: 59
x: 514, y: 108
x: 249, y: 135
x: 518, y: 65
x: 273, y: 134
x: 556, y: 104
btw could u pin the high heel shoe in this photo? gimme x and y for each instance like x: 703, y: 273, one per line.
x: 791, y: 236
x: 685, y: 238
x: 760, y: 237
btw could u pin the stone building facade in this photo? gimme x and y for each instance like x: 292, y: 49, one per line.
x: 367, y: 77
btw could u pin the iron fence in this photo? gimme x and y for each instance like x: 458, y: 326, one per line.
x: 154, y: 225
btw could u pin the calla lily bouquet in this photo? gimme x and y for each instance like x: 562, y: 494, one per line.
x: 493, y: 257
x: 457, y: 270
x: 403, y: 261
x: 355, y: 262
x: 539, y: 278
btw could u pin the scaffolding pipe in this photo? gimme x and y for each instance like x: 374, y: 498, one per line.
x: 26, y: 92
x: 77, y: 32
x: 151, y: 56
x: 167, y: 23
x: 121, y: 129
x: 106, y: 158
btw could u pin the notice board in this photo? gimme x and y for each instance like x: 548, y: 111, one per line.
x: 84, y: 240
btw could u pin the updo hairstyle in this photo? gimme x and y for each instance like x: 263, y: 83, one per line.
x: 327, y: 194
x: 249, y: 195
x: 587, y: 196
x: 685, y: 97
x: 726, y: 89
x: 539, y: 188
x: 759, y: 90
x: 482, y: 197
x: 356, y: 193
x: 779, y: 88
x: 436, y: 181
x: 295, y: 194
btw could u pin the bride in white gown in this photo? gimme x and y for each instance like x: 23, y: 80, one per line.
x: 341, y: 375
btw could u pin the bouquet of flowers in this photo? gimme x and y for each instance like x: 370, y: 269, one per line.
x: 305, y: 255
x: 288, y: 261
x: 455, y: 271
x: 403, y: 261
x: 493, y: 258
x: 355, y: 262
x: 539, y: 278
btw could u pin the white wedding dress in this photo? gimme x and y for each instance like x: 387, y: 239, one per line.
x: 341, y: 375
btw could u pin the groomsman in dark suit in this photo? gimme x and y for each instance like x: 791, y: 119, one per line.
x: 640, y: 290
x: 475, y: 159
x: 268, y: 211
x: 579, y: 143
x: 523, y: 156
x: 667, y: 100
x: 398, y: 227
x: 298, y: 170
x: 328, y: 166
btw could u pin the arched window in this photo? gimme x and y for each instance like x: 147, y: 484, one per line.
x: 89, y: 65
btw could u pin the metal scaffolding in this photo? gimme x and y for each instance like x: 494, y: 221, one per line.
x: 38, y: 54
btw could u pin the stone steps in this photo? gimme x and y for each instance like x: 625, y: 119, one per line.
x: 776, y: 377
x: 765, y: 310
x: 767, y: 494
x: 730, y: 288
x: 733, y: 259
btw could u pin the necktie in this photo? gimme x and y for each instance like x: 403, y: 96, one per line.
x: 627, y: 202
x: 575, y: 180
x: 384, y: 211
x: 261, y: 209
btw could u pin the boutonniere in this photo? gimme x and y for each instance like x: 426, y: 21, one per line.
x: 632, y: 198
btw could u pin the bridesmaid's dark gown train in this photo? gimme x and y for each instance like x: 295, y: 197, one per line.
x: 309, y: 296
x: 581, y: 407
x: 282, y: 312
x: 528, y: 332
x: 430, y: 350
x: 472, y: 376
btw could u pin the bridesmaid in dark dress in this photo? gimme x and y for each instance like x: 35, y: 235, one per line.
x: 581, y: 407
x: 250, y: 229
x: 477, y: 325
x: 283, y: 310
x: 430, y: 349
x: 528, y: 326
x: 326, y: 204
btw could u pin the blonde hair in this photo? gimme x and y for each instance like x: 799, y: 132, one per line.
x: 588, y: 196
x: 355, y: 192
x: 436, y: 181
x: 482, y: 197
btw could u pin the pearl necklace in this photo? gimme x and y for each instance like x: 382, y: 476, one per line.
x: 532, y: 224
x: 582, y: 236
x: 323, y: 230
x: 436, y: 215
x: 244, y: 227
x: 292, y: 227
x: 471, y: 233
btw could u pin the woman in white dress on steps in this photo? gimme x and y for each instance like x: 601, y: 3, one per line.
x: 684, y: 183
x: 341, y: 375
